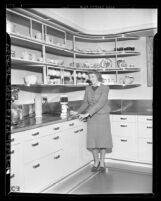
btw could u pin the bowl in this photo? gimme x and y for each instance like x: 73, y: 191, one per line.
x: 30, y: 79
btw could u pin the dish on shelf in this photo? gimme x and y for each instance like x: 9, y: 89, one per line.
x: 106, y: 63
x: 30, y: 79
x: 121, y: 63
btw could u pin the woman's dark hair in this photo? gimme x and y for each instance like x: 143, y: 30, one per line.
x: 98, y: 74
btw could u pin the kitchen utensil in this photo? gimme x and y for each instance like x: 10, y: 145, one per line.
x: 30, y: 79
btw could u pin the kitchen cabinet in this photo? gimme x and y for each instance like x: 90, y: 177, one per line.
x: 145, y: 143
x: 124, y: 134
x: 46, y: 154
x: 16, y: 174
x: 132, y: 138
x: 64, y: 57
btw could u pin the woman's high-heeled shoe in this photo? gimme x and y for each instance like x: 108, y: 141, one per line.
x: 102, y: 169
x: 95, y: 169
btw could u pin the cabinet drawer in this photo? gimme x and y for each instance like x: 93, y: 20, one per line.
x: 124, y: 148
x: 73, y: 123
x: 145, y: 119
x: 41, y: 131
x: 41, y: 173
x: 123, y: 129
x: 16, y: 138
x: 40, y: 147
x: 15, y: 156
x: 124, y: 118
x: 37, y: 174
x: 145, y: 130
x: 145, y: 150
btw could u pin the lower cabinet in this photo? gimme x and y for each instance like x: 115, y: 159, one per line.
x: 145, y: 146
x: 16, y: 174
x: 124, y: 148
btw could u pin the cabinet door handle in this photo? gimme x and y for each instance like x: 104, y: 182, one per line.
x: 35, y: 144
x: 13, y: 175
x: 149, y: 126
x: 12, y: 139
x: 76, y: 131
x: 57, y: 128
x: 149, y: 119
x: 36, y: 166
x: 122, y: 118
x: 149, y: 142
x: 72, y: 124
x: 81, y: 130
x: 123, y: 125
x: 56, y: 157
x: 37, y: 133
x: 55, y: 138
x: 12, y: 152
x: 123, y: 140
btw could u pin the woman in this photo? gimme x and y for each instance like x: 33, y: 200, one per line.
x: 99, y: 139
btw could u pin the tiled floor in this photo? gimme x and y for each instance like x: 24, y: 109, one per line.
x: 118, y: 179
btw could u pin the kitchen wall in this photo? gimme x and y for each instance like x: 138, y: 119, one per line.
x: 88, y: 20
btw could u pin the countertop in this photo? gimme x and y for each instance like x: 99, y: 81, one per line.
x: 48, y: 119
x: 32, y: 122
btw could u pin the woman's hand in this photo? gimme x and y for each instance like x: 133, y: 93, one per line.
x: 83, y: 116
x: 73, y: 112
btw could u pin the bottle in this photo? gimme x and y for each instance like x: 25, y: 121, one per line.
x: 64, y: 106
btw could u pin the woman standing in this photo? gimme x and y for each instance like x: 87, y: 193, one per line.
x: 99, y: 139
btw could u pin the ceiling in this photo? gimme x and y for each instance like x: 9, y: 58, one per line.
x: 103, y: 21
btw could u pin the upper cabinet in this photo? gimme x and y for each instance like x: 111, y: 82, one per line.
x: 61, y: 57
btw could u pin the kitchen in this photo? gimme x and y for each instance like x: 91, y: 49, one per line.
x: 52, y: 52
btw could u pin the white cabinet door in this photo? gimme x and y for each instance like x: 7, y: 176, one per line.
x: 84, y: 155
x: 145, y: 150
x: 145, y: 130
x: 124, y: 148
x: 123, y: 129
x: 42, y: 146
x: 16, y: 176
x: 38, y: 174
x: 70, y: 146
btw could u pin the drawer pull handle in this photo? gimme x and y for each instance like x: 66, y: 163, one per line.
x: 57, y: 128
x: 76, y: 131
x: 123, y: 118
x: 123, y: 125
x: 12, y: 152
x: 13, y: 175
x: 149, y: 126
x: 123, y: 140
x: 36, y: 166
x: 149, y: 142
x: 56, y: 157
x: 12, y: 139
x: 81, y: 130
x: 71, y: 124
x: 55, y: 138
x: 36, y: 144
x: 37, y: 133
x: 149, y: 119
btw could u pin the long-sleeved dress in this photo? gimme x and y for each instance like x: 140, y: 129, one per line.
x: 98, y: 125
